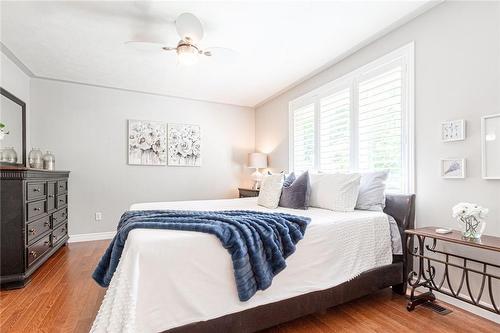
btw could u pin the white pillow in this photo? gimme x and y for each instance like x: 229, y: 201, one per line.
x: 270, y: 191
x: 372, y: 191
x: 336, y: 191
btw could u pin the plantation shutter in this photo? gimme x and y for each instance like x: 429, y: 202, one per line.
x: 303, y: 138
x: 380, y: 125
x: 334, y: 132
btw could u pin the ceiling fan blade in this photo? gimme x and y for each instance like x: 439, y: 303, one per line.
x: 189, y: 27
x: 145, y: 46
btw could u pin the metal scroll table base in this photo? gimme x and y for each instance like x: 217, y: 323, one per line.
x: 425, y: 276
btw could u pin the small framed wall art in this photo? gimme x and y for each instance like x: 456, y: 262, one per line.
x: 453, y: 168
x: 453, y: 130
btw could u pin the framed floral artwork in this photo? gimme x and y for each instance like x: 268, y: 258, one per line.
x: 184, y: 145
x: 147, y: 142
x: 453, y: 130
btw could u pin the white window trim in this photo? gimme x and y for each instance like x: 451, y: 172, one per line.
x: 406, y: 54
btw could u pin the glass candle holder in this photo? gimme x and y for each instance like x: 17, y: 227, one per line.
x: 49, y: 161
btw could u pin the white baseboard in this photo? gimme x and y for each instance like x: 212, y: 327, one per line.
x: 91, y: 237
x: 466, y: 306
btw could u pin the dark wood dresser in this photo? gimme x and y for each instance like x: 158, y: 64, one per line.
x: 34, y: 221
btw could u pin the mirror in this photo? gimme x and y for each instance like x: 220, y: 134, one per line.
x: 12, y: 129
x: 490, y: 144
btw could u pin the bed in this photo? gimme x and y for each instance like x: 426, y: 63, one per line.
x: 181, y: 281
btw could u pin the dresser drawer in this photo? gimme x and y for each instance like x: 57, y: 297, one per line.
x: 38, y: 249
x: 37, y: 228
x: 35, y: 208
x: 51, y: 196
x: 59, y: 233
x: 35, y: 190
x: 62, y: 200
x: 62, y: 186
x: 59, y: 216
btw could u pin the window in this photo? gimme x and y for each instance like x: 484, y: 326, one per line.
x: 360, y: 122
x: 334, y: 131
x: 303, y: 129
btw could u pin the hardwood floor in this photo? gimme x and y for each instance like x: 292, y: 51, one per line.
x: 62, y: 297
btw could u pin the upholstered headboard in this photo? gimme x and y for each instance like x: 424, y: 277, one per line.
x: 402, y: 208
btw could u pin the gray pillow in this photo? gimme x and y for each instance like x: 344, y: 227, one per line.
x: 296, y: 194
x: 372, y: 191
x: 289, y: 180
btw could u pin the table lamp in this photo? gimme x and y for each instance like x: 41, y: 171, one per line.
x: 257, y: 161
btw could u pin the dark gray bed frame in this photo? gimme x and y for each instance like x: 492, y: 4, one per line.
x: 401, y: 207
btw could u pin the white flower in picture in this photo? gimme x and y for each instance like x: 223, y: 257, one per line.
x: 147, y: 142
x: 184, y: 145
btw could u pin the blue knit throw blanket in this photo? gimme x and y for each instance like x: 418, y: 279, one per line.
x: 258, y: 242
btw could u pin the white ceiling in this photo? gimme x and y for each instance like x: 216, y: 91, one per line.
x: 278, y: 42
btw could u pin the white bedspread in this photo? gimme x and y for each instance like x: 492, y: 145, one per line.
x: 169, y: 278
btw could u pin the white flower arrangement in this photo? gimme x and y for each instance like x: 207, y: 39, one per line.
x: 466, y: 209
x: 471, y: 216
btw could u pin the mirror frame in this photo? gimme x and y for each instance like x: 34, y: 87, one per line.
x: 16, y: 100
x: 483, y: 146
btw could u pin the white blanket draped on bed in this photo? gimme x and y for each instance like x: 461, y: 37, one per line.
x: 169, y: 278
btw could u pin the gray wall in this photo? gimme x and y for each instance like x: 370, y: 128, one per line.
x: 457, y: 76
x: 86, y: 128
x: 457, y: 69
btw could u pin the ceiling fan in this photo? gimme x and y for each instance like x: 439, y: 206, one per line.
x: 188, y: 51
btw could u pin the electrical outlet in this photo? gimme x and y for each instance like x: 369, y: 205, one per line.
x: 98, y: 216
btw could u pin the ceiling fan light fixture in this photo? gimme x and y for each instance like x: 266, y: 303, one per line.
x: 187, y: 54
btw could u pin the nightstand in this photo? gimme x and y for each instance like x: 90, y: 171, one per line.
x: 248, y: 192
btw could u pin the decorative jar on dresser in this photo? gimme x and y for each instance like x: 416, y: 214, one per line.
x: 34, y: 221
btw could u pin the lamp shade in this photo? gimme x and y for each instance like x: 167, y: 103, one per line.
x: 257, y: 160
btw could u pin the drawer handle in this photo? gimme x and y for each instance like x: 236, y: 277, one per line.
x: 45, y: 224
x: 51, y: 195
x: 54, y: 237
x: 54, y: 218
x: 63, y: 214
x: 61, y: 186
x: 36, y: 189
x: 33, y: 231
x: 61, y: 200
x: 62, y: 230
x: 34, y: 254
x: 46, y: 242
x: 36, y: 209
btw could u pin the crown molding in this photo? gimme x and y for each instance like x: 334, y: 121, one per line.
x: 12, y: 57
